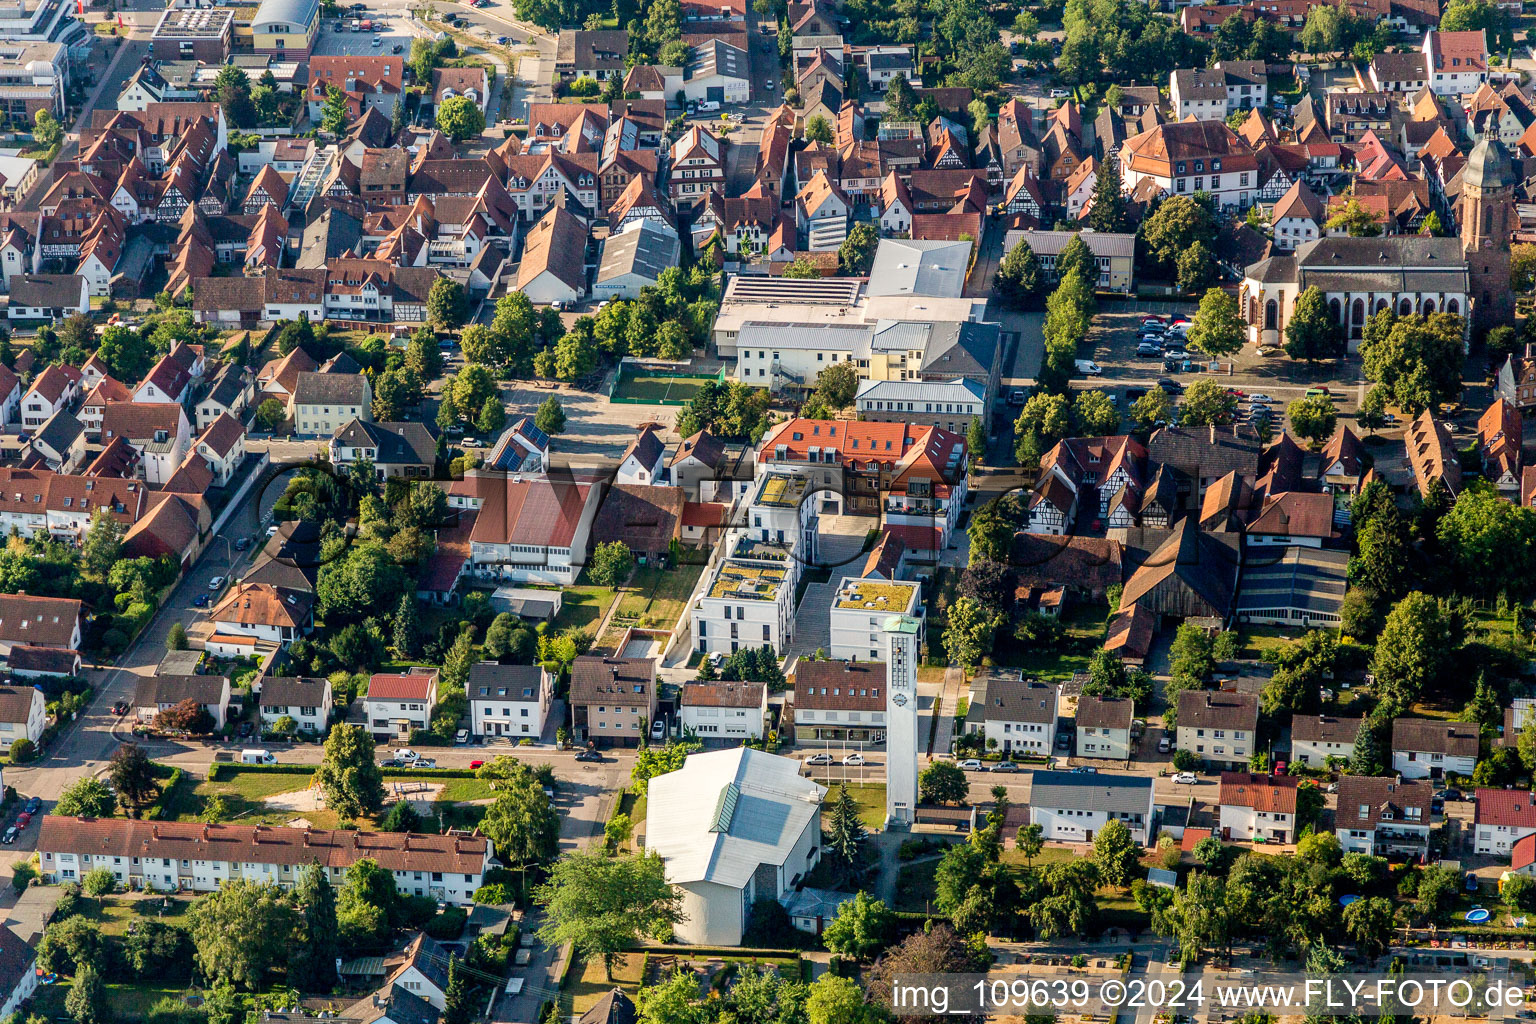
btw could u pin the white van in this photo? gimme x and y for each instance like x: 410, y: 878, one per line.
x: 709, y: 106
x: 257, y: 757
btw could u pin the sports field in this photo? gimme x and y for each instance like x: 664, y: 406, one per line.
x: 657, y: 390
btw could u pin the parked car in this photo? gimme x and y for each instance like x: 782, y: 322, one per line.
x: 1084, y: 769
x: 246, y: 728
x: 819, y: 759
x: 1063, y: 741
x: 588, y: 755
x: 1170, y: 385
x: 200, y: 601
x: 1149, y: 350
x: 242, y: 543
x: 1185, y: 778
x: 1088, y: 367
x: 1059, y: 94
x: 1259, y: 398
x: 462, y: 736
x: 425, y: 762
x: 658, y: 729
x: 391, y: 762
x: 476, y: 764
x: 216, y: 583
x: 405, y: 755
x: 971, y: 764
x: 854, y: 760
x: 1016, y: 398
x: 23, y: 819
x: 34, y: 805
x: 1164, y: 744
x: 120, y: 707
x: 1005, y: 766
x: 1319, y: 390
x: 10, y: 835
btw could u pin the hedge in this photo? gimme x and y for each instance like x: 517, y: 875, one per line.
x: 222, y: 771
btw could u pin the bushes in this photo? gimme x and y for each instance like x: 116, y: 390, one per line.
x: 22, y: 750
x: 447, y: 925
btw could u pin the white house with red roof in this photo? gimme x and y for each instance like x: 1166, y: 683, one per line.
x: 1457, y: 61
x: 527, y: 530
x: 1503, y: 818
x: 54, y: 389
x: 397, y: 705
x: 1258, y: 806
x: 221, y: 447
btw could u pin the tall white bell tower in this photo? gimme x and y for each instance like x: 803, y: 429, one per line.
x: 899, y: 638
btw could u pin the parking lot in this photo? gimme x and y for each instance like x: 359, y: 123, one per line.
x: 593, y: 426
x: 1112, y: 344
x: 394, y: 38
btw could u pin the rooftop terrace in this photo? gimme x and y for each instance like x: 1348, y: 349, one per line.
x: 875, y: 595
x: 740, y: 581
x: 780, y: 491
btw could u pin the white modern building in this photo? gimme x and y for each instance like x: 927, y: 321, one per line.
x: 724, y: 710
x: 189, y: 856
x: 900, y: 641
x: 950, y: 405
x: 509, y: 700
x: 839, y: 702
x: 750, y: 601
x: 1073, y: 808
x: 859, y: 610
x: 732, y: 826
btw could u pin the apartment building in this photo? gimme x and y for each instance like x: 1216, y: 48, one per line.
x: 1316, y: 738
x: 731, y: 711
x: 1218, y: 727
x: 397, y: 705
x: 509, y: 700
x: 1432, y: 749
x: 1384, y: 816
x: 859, y: 610
x: 839, y: 701
x: 1013, y: 715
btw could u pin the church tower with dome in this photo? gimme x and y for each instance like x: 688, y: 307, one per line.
x: 1487, y: 222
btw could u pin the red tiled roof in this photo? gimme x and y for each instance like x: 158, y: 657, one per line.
x: 409, y: 686
x: 1509, y: 807
x: 1270, y: 793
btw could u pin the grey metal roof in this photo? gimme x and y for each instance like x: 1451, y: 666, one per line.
x: 1100, y: 243
x: 919, y: 267
x: 333, y: 234
x: 817, y: 337
x: 1114, y: 794
x: 292, y: 12
x: 643, y: 249
x: 59, y: 432
x: 761, y: 806
x: 489, y: 680
x: 957, y: 390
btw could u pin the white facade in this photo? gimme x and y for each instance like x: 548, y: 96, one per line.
x: 312, y: 718
x: 899, y: 635
x: 29, y: 728
x: 512, y: 706
x: 1245, y: 823
x: 1078, y: 811
x: 1499, y: 840
x: 859, y: 611
x: 1233, y: 745
x: 749, y: 603
x: 1424, y: 764
x: 721, y: 721
x: 1105, y: 742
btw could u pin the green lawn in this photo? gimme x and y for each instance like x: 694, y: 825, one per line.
x: 658, y: 389
x: 113, y: 915
x: 128, y: 1001
x: 1086, y: 625
x: 1255, y: 641
x: 586, y: 982
x: 582, y: 607
x: 654, y: 598
x: 870, y: 796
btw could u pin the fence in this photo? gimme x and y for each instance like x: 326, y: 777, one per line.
x: 653, y: 385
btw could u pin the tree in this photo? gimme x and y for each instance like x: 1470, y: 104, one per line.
x: 1047, y: 416
x: 70, y: 945
x: 818, y: 130
x: 348, y: 775
x: 1031, y: 841
x: 861, y: 928
x: 845, y: 830
x: 1194, y: 267
x: 1419, y: 642
x: 1200, y: 909
x: 46, y: 129
x: 857, y: 253
x: 402, y: 817
x: 521, y: 822
x: 550, y: 416
x: 1417, y: 359
x: 976, y: 441
x: 610, y: 564
x: 233, y: 88
x: 1114, y: 854
x: 1355, y: 221
x: 492, y: 418
x: 1019, y: 278
x: 1312, y: 334
x: 968, y: 637
x: 618, y: 831
x: 270, y: 415
x: 367, y: 905
x: 837, y: 1000
x: 457, y: 1008
x: 406, y: 631
x: 899, y: 99
x: 801, y: 267
x: 1369, y: 923
x: 1151, y: 408
x: 86, y: 798
x: 133, y: 775
x: 1207, y: 402
x: 1175, y: 226
x: 241, y: 932
x: 1313, y: 418
x: 312, y: 958
x: 333, y: 113
x: 186, y: 716
x: 98, y: 882
x: 603, y: 904
x: 447, y: 305
x: 460, y: 118
x: 1519, y: 893
x: 1488, y: 540
x: 87, y: 1000
x: 937, y: 950
x: 836, y: 386
x: 1076, y: 255
x: 1218, y: 328
x: 176, y: 637
x: 1106, y: 209
x: 943, y: 783
x: 103, y: 543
